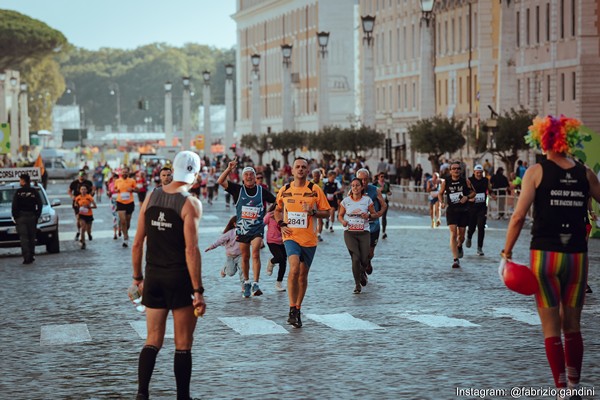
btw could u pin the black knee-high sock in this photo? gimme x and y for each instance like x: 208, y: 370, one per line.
x: 146, y: 367
x: 183, y: 373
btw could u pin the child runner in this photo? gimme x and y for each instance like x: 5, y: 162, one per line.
x: 275, y: 243
x: 85, y: 202
x: 232, y: 250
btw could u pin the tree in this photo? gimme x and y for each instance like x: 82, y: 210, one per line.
x: 288, y: 142
x: 436, y: 136
x: 259, y: 143
x: 23, y: 38
x: 359, y: 140
x: 45, y: 84
x: 510, y: 137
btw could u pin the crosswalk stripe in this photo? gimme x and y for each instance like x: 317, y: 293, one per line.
x: 253, y: 325
x: 526, y: 316
x: 140, y: 328
x: 439, y: 321
x: 343, y: 322
x: 64, y: 334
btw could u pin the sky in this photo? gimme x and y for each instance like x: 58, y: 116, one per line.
x: 128, y: 24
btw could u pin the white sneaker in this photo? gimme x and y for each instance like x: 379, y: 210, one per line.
x: 278, y: 287
x: 331, y: 228
x: 270, y: 266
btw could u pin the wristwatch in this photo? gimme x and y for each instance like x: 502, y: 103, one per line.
x: 199, y: 290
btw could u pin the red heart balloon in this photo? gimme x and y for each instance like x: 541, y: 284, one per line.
x: 519, y: 278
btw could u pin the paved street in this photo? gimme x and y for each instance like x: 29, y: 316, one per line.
x: 419, y: 330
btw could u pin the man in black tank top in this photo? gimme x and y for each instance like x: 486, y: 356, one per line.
x: 478, y: 207
x: 559, y: 189
x: 168, y: 222
x: 455, y: 193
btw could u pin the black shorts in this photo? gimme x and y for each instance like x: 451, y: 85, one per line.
x: 86, y: 218
x: 128, y: 208
x: 167, y: 288
x: 333, y: 204
x: 458, y: 218
x: 374, y: 238
x: 247, y: 238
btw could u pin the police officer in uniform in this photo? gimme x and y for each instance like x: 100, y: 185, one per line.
x: 169, y: 221
x: 26, y: 210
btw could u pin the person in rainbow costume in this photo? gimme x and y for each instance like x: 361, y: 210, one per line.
x: 559, y: 188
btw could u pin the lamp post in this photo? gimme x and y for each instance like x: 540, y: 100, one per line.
x: 14, y: 117
x: 229, y: 117
x: 206, y: 102
x: 2, y: 98
x: 168, y: 114
x: 255, y: 59
x: 427, y: 76
x: 286, y: 93
x: 186, y: 122
x: 115, y: 91
x: 368, y: 23
x: 323, y: 110
x: 24, y: 126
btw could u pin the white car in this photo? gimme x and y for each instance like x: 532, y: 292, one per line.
x: 47, y: 226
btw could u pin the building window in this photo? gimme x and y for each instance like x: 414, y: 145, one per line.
x: 537, y: 24
x: 398, y: 44
x: 446, y: 85
x: 414, y: 95
x: 413, y: 37
x: 469, y: 97
x: 528, y: 91
x: 548, y: 81
x: 519, y: 91
x: 390, y: 46
x: 460, y: 90
x: 527, y: 37
x: 391, y: 96
x: 446, y: 47
x: 574, y: 84
x: 573, y: 18
x: 399, y: 97
x: 518, y: 28
x: 406, y: 96
x: 460, y: 34
x: 453, y: 38
x: 439, y: 92
x: 562, y: 19
x: 547, y: 22
x: 438, y: 40
x: 562, y: 87
x: 475, y: 31
x: 404, y: 52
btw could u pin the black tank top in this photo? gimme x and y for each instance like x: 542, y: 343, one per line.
x: 481, y: 188
x: 454, y: 191
x: 164, y: 230
x: 560, y: 209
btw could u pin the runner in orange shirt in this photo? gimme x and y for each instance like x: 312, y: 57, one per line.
x: 124, y: 187
x: 85, y: 202
x: 299, y: 204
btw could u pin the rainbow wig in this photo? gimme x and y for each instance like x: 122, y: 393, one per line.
x: 561, y: 135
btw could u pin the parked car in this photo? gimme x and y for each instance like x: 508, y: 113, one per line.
x: 47, y: 226
x: 57, y: 169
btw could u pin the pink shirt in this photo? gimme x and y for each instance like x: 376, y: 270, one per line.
x: 273, y: 230
x: 232, y: 248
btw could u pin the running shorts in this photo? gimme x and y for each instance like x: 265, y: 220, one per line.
x: 167, y: 288
x: 306, y: 254
x: 458, y: 218
x: 562, y: 277
x: 128, y: 208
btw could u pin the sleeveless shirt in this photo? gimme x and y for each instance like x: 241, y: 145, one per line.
x: 481, y: 188
x: 164, y: 230
x: 455, y: 190
x: 372, y: 193
x: 250, y: 212
x: 560, y: 209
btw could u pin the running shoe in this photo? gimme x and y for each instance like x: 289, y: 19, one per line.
x: 120, y: 233
x: 369, y: 269
x: 456, y: 264
x: 438, y: 223
x: 141, y: 397
x: 298, y: 322
x: 331, y: 228
x: 468, y: 243
x: 480, y: 251
x: 125, y: 244
x: 320, y: 238
x: 279, y: 287
x: 115, y: 237
x: 588, y: 289
x: 327, y: 224
x: 432, y: 223
x: 460, y: 252
x: 270, y: 266
x: 82, y: 245
x: 77, y: 236
x: 292, y: 316
x: 89, y: 236
x: 256, y: 290
x: 364, y: 279
x: 357, y: 289
x: 247, y: 290
x: 385, y: 236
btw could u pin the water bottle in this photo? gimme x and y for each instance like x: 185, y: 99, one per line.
x: 136, y: 297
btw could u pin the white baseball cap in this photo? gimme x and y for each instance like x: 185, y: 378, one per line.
x: 185, y: 166
x: 478, y: 167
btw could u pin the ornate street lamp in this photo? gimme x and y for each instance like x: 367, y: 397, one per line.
x: 286, y: 51
x: 256, y: 109
x: 323, y: 39
x: 427, y: 10
x: 286, y: 93
x: 368, y: 23
x: 229, y: 71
